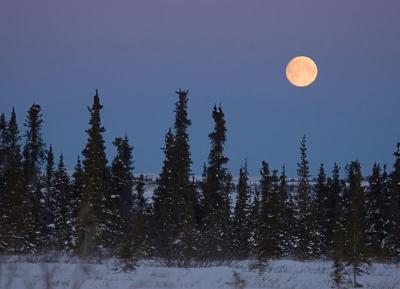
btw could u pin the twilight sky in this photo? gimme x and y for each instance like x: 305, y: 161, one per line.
x: 233, y: 52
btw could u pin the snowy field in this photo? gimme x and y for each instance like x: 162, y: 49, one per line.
x: 283, y: 274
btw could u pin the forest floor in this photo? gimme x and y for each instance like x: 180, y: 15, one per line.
x: 42, y: 273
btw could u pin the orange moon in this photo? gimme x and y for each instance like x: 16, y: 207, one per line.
x: 301, y: 71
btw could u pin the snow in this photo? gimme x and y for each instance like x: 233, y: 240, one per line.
x: 17, y: 273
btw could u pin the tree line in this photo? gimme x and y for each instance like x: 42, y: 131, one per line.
x: 100, y: 209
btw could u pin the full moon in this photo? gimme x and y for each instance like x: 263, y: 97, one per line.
x: 301, y: 71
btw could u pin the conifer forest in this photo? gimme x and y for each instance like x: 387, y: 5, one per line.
x: 100, y: 208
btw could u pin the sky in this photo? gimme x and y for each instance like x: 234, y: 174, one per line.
x: 228, y: 52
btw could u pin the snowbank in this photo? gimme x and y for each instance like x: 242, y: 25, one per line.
x: 284, y: 274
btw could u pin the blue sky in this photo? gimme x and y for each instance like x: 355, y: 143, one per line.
x: 137, y: 53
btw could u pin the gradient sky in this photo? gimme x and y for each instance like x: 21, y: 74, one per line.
x: 56, y: 53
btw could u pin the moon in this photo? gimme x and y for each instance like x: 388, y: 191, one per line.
x: 301, y: 71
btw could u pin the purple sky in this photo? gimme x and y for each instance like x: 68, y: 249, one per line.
x: 231, y: 52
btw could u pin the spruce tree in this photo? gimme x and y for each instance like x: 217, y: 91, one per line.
x: 162, y: 202
x: 77, y: 190
x: 226, y: 214
x: 288, y: 221
x: 337, y: 241
x: 254, y: 222
x: 15, y: 204
x: 62, y: 213
x: 241, y: 234
x: 94, y: 217
x: 394, y: 204
x: 324, y: 213
x: 216, y: 193
x: 121, y: 187
x: 3, y: 132
x: 182, y: 197
x: 336, y: 188
x: 336, y: 245
x: 139, y: 228
x: 305, y: 226
x: 34, y: 154
x: 270, y: 219
x: 386, y: 222
x: 3, y: 139
x: 355, y: 225
x: 375, y: 214
x: 50, y: 200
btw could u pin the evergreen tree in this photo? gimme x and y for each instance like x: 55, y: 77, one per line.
x: 254, y: 222
x: 241, y: 232
x: 62, y: 213
x: 270, y: 218
x: 375, y: 214
x: 77, y: 190
x: 34, y: 154
x: 386, y: 222
x: 94, y: 217
x: 3, y: 140
x: 121, y: 186
x: 13, y: 234
x: 227, y: 218
x: 49, y: 175
x: 3, y: 133
x: 216, y: 193
x: 338, y: 228
x: 50, y: 204
x: 394, y: 204
x: 355, y: 225
x: 336, y: 187
x: 139, y: 229
x: 162, y: 202
x: 288, y: 221
x: 324, y: 214
x: 182, y: 197
x: 305, y: 226
x: 200, y: 210
x: 336, y: 249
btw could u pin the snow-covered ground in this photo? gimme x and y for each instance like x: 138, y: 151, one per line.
x: 284, y: 274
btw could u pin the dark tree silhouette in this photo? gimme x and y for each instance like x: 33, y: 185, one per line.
x: 94, y: 223
x: 241, y: 234
x: 355, y: 226
x: 305, y: 226
x: 216, y: 191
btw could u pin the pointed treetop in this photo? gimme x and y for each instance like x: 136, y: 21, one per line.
x: 264, y: 168
x: 78, y: 166
x: 12, y: 123
x: 245, y: 165
x: 97, y: 99
x: 36, y: 107
x: 397, y: 153
x: 2, y: 119
x: 61, y: 161
x: 182, y: 92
